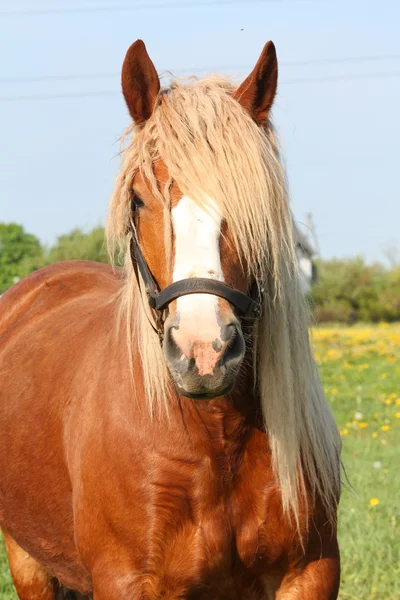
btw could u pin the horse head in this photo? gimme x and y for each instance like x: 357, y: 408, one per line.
x: 202, y: 327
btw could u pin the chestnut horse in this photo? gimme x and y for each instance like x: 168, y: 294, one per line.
x: 164, y: 433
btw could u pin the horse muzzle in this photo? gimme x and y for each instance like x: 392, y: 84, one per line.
x: 203, y: 364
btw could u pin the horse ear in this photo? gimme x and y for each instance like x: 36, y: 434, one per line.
x: 140, y: 82
x: 257, y: 92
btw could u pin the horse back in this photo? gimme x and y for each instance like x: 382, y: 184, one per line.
x: 53, y: 287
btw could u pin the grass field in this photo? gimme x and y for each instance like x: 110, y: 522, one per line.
x: 360, y: 369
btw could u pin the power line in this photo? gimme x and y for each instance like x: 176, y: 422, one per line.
x: 68, y: 77
x: 59, y: 96
x: 140, y: 6
x: 223, y: 68
x: 341, y: 60
x: 100, y: 93
x: 349, y: 77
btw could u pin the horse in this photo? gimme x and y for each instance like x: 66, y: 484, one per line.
x: 164, y: 432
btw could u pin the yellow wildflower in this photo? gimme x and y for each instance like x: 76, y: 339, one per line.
x: 363, y: 425
x: 334, y: 391
x: 397, y: 415
x: 374, y: 501
x: 388, y: 401
x: 385, y: 427
x: 374, y: 435
x: 398, y: 401
x: 344, y: 432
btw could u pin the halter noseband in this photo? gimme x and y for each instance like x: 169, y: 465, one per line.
x: 248, y: 306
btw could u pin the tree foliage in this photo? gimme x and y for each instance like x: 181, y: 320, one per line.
x: 349, y: 290
x: 78, y: 245
x: 20, y: 254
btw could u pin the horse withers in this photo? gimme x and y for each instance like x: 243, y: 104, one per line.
x: 164, y: 433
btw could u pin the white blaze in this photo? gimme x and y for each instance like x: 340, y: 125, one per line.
x: 197, y: 254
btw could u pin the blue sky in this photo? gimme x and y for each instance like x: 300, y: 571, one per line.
x: 341, y: 138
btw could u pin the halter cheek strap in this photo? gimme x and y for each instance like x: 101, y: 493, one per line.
x: 248, y: 306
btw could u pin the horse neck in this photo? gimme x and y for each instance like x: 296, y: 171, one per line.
x: 245, y: 399
x: 233, y: 416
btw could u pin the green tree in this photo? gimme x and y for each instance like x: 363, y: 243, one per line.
x: 350, y: 290
x: 78, y: 245
x: 20, y: 254
x: 390, y: 296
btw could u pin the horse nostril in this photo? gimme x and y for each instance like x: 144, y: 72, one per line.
x: 171, y: 349
x: 235, y: 348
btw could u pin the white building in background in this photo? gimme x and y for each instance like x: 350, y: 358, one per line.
x: 306, y: 252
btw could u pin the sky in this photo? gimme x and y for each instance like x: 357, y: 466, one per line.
x: 338, y: 121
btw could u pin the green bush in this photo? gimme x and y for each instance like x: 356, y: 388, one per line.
x: 20, y: 254
x: 349, y: 290
x: 333, y: 312
x: 78, y: 245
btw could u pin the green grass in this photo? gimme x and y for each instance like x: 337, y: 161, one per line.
x: 360, y: 369
x: 6, y: 587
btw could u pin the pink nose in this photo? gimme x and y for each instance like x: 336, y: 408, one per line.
x: 205, y: 352
x: 206, y: 355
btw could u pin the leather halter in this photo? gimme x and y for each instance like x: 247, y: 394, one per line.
x: 248, y: 306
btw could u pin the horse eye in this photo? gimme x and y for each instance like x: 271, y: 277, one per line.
x: 136, y: 201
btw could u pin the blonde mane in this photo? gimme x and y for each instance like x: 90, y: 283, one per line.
x: 213, y: 149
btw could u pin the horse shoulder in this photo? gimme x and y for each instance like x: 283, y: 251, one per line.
x: 56, y: 325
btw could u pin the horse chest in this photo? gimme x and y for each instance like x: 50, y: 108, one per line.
x: 201, y: 529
